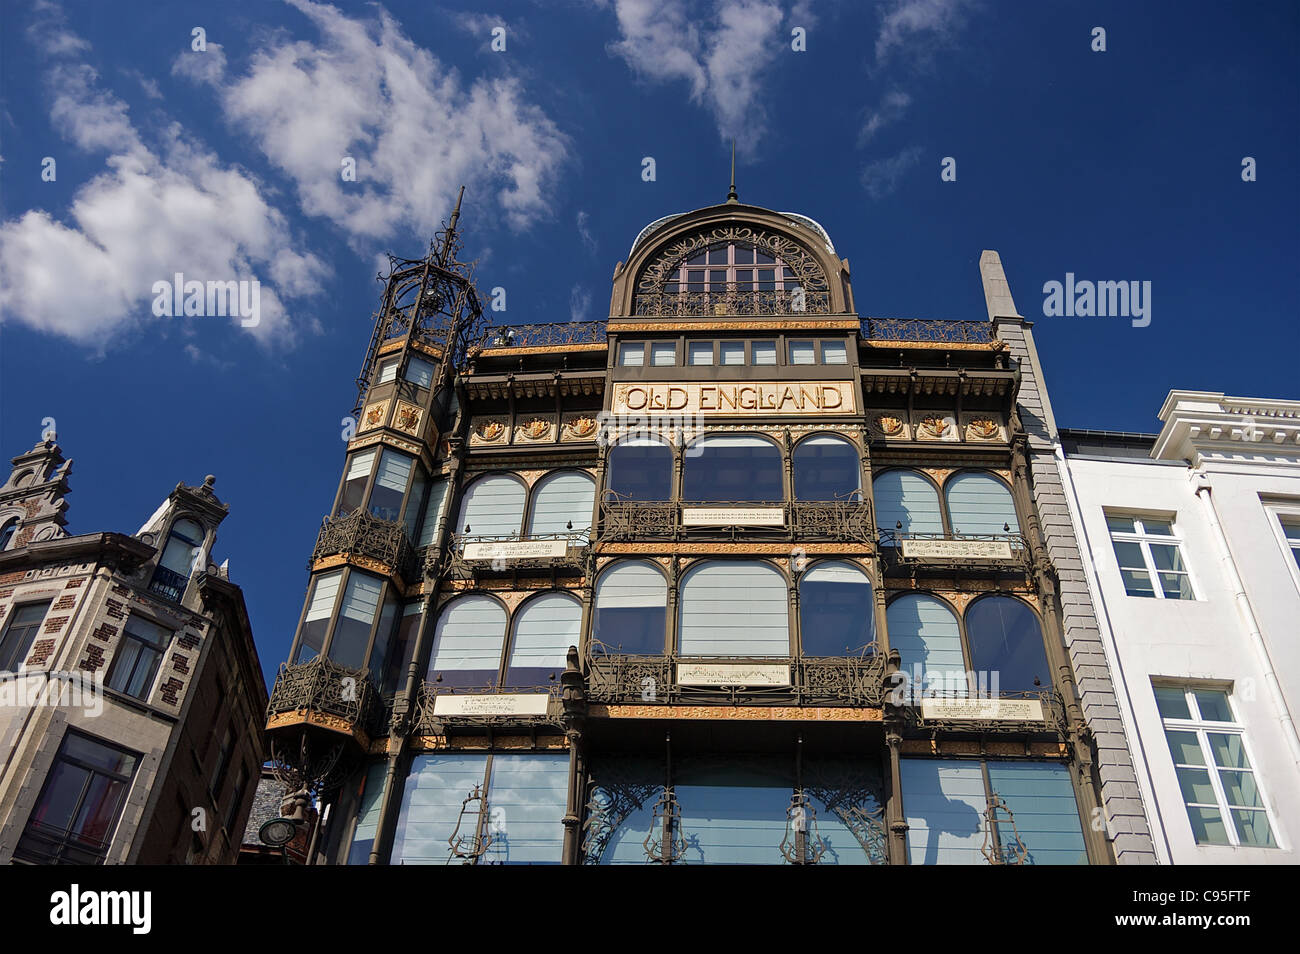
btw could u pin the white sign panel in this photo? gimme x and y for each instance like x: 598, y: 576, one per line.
x: 957, y: 549
x: 733, y: 674
x: 516, y: 550
x: 1011, y: 710
x: 531, y: 704
x: 733, y: 517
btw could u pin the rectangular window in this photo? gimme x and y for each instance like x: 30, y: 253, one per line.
x: 802, y: 352
x: 138, y: 656
x: 432, y: 523
x: 1150, y: 558
x: 834, y: 352
x: 363, y: 837
x: 701, y: 352
x: 356, y: 617
x: 763, y: 352
x: 663, y: 354
x: 79, y: 805
x: 1224, y: 804
x: 961, y: 812
x: 631, y: 354
x: 387, y: 371
x: 390, y: 485
x: 419, y: 372
x: 731, y: 352
x: 19, y: 634
x: 315, y: 624
x: 1291, y: 530
x: 354, y: 482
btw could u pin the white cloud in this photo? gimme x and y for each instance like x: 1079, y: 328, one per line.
x: 920, y: 24
x: 201, y: 66
x: 891, y: 108
x: 579, y: 303
x: 153, y: 212
x: 880, y: 178
x: 722, y: 59
x: 584, y: 231
x: 415, y: 129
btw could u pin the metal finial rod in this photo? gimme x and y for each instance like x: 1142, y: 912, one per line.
x: 732, y: 196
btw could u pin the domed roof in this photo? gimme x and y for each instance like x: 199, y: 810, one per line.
x: 795, y: 218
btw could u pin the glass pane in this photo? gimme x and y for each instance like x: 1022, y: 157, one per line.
x: 1129, y: 556
x: 733, y: 815
x: 718, y: 256
x: 1137, y: 583
x: 696, y: 259
x: 1196, y: 787
x: 432, y: 801
x: 834, y: 352
x: 387, y: 371
x: 363, y: 838
x: 1213, y: 704
x: 1041, y: 799
x: 1167, y: 557
x: 1240, y: 789
x: 836, y: 610
x: 924, y: 631
x: 562, y: 503
x: 732, y: 352
x: 98, y: 814
x: 906, y: 503
x: 1122, y: 524
x: 1006, y: 646
x: 1253, y: 829
x: 980, y: 504
x: 526, y: 799
x: 1172, y: 702
x: 663, y: 353
x: 734, y: 608
x: 631, y: 354
x: 106, y: 757
x: 631, y: 610
x: 744, y: 256
x: 1154, y: 527
x: 701, y: 352
x: 944, y: 801
x: 1207, y: 826
x: 419, y: 372
x: 1184, y: 747
x: 467, y: 643
x: 641, y: 472
x: 1292, y: 530
x: 493, y: 506
x: 725, y: 469
x: 764, y: 352
x: 1227, y: 750
x: 61, y: 796
x: 1176, y: 586
x: 827, y: 468
x: 801, y: 352
x: 763, y: 258
x: 544, y: 630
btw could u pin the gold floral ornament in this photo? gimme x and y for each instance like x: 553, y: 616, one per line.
x: 889, y: 425
x: 537, y: 428
x: 489, y: 430
x: 582, y: 426
x: 984, y: 428
x: 934, y: 426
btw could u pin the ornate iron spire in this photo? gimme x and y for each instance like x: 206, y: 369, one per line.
x: 732, y: 197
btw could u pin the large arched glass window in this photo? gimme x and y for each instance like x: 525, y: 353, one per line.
x: 640, y: 469
x: 493, y: 507
x: 734, y: 609
x: 631, y: 610
x: 980, y: 503
x: 545, y: 627
x: 733, y: 467
x: 467, y: 643
x: 1005, y: 639
x: 730, y: 266
x: 562, y: 503
x: 906, y: 503
x: 827, y: 468
x: 924, y: 631
x: 836, y: 612
x: 185, y: 538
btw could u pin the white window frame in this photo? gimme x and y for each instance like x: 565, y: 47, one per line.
x: 1276, y: 513
x: 1202, y: 728
x: 1144, y: 541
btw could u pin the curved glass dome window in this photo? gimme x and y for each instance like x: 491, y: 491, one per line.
x: 545, y: 627
x: 641, y: 469
x: 906, y: 503
x: 827, y: 468
x: 732, y: 267
x: 1005, y: 639
x: 734, y: 608
x: 980, y: 503
x: 630, y: 610
x: 467, y: 643
x: 493, y: 507
x: 836, y: 611
x: 733, y: 468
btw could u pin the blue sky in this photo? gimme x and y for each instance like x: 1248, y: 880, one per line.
x: 224, y: 164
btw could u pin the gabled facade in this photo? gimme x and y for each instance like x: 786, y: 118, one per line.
x: 1195, y: 538
x: 129, y: 684
x: 736, y: 575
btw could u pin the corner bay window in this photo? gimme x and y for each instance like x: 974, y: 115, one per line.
x: 388, y: 484
x: 358, y: 610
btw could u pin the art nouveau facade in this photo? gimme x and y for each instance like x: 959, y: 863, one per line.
x: 736, y: 575
x: 1195, y: 541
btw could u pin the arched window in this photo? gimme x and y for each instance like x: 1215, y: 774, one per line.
x: 827, y: 468
x: 561, y: 500
x: 467, y: 643
x: 1005, y: 638
x: 734, y: 609
x: 545, y: 627
x: 641, y: 469
x: 980, y: 503
x: 836, y: 612
x: 185, y: 537
x: 631, y: 610
x: 7, y: 532
x: 924, y: 631
x: 906, y: 503
x: 733, y: 467
x: 493, y: 507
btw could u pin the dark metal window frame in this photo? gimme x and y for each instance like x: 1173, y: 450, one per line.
x: 417, y: 470
x: 385, y: 589
x: 508, y: 636
x: 119, y: 659
x: 941, y: 491
x: 9, y: 644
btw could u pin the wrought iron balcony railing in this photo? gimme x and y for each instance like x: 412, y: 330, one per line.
x: 360, y: 534
x: 731, y: 302
x: 855, y: 679
x: 168, y: 584
x: 481, y: 706
x: 927, y: 329
x: 323, y: 686
x: 469, y: 555
x: 552, y: 334
x: 797, y: 521
x: 947, y: 551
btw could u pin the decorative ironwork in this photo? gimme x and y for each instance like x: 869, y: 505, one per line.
x: 892, y: 555
x: 802, y: 520
x: 841, y: 520
x: 994, y: 850
x: 669, y: 846
x: 543, y: 335
x: 479, y: 841
x: 428, y: 722
x: 623, y: 519
x: 304, y: 769
x: 732, y: 302
x: 324, y: 686
x: 168, y: 584
x: 455, y: 565
x: 618, y: 788
x: 802, y: 844
x: 1054, y: 719
x: 360, y: 534
x: 855, y: 794
x: 851, y: 680
x: 927, y: 329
